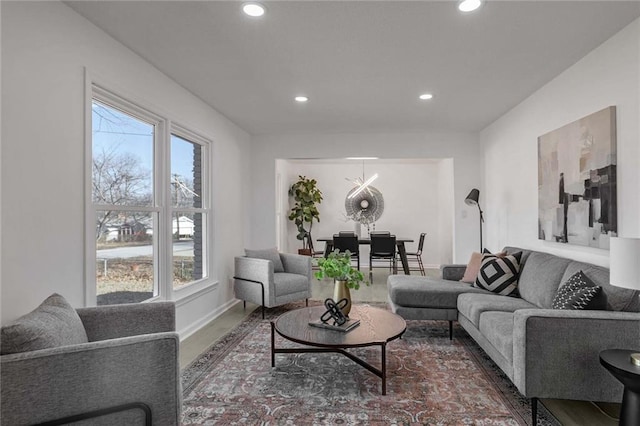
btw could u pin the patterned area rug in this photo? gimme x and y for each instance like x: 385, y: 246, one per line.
x: 430, y: 381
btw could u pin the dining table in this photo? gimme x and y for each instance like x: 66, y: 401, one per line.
x: 402, y: 251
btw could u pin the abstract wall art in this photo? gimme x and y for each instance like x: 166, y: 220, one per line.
x: 577, y: 201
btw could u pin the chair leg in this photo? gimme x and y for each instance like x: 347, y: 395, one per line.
x: 534, y: 411
x: 450, y: 330
x: 244, y: 305
x: 421, y: 265
x: 262, y: 311
x: 306, y: 302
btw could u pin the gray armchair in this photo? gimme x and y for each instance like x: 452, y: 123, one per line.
x: 127, y: 372
x: 256, y: 281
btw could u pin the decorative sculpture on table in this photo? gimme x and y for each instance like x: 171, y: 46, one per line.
x: 334, y: 311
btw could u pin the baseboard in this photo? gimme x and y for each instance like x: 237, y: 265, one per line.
x: 197, y: 325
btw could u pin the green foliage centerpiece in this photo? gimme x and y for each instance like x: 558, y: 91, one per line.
x: 307, y: 196
x: 337, y: 265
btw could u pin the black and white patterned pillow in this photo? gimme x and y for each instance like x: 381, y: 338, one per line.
x: 499, y: 274
x: 579, y: 292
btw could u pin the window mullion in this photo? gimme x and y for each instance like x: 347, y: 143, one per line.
x: 163, y: 197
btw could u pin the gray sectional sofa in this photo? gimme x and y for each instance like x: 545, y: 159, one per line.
x: 547, y: 353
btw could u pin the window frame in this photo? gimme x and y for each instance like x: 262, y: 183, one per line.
x: 161, y: 204
x: 205, y: 145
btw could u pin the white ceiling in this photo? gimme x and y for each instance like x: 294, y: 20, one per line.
x: 362, y: 63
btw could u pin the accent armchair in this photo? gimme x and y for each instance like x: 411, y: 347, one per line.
x: 127, y: 373
x: 268, y: 283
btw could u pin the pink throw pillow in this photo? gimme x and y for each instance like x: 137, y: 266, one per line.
x: 473, y: 267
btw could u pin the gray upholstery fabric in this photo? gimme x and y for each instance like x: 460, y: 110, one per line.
x: 409, y: 313
x: 618, y: 298
x: 54, y: 323
x: 417, y: 291
x: 267, y: 254
x: 279, y: 288
x: 556, y: 352
x: 286, y: 283
x: 497, y: 328
x: 453, y: 272
x: 504, y: 364
x: 473, y: 305
x: 49, y: 384
x: 128, y: 320
x: 540, y: 278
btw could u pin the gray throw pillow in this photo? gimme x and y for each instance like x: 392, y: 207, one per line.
x: 52, y: 324
x: 267, y: 254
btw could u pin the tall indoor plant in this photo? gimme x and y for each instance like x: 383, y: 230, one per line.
x: 307, y: 196
x: 337, y: 265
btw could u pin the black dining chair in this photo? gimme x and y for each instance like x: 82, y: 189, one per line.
x: 414, y: 259
x: 383, y: 248
x: 348, y: 242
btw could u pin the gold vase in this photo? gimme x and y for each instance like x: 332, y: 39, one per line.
x: 341, y: 291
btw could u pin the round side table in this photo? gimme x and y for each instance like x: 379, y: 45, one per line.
x: 618, y: 362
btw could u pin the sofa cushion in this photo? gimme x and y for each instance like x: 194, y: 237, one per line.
x: 499, y: 274
x: 473, y: 305
x: 267, y: 254
x: 579, y: 292
x: 424, y: 292
x: 497, y: 328
x: 618, y: 298
x: 286, y: 283
x: 540, y: 278
x: 473, y: 267
x: 52, y: 324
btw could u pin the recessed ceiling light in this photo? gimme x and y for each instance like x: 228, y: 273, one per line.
x: 301, y: 99
x: 426, y: 96
x: 469, y: 5
x: 253, y: 9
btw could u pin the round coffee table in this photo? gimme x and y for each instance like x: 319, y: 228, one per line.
x: 377, y: 327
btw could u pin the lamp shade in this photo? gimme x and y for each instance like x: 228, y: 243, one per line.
x: 624, y: 262
x: 473, y: 197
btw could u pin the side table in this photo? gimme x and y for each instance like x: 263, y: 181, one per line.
x: 617, y: 361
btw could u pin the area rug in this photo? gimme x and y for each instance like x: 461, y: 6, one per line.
x: 431, y: 380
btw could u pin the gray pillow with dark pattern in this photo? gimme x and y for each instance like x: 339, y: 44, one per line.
x: 578, y: 293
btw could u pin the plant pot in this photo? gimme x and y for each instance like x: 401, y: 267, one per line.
x: 304, y: 252
x: 341, y: 291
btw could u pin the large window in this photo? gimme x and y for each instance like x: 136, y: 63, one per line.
x: 149, y: 202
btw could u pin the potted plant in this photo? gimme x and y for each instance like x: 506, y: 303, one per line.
x: 337, y: 265
x: 307, y: 196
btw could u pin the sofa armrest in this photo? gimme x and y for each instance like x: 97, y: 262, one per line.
x: 114, y: 321
x: 556, y: 352
x: 257, y: 270
x: 296, y: 264
x: 453, y: 272
x: 49, y: 384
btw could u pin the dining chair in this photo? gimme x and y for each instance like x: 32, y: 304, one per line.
x: 315, y: 254
x: 414, y: 259
x: 348, y: 242
x: 346, y: 233
x: 383, y: 248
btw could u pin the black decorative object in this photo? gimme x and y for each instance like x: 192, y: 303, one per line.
x: 334, y: 311
x: 333, y: 318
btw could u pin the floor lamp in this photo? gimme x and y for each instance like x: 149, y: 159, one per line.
x: 471, y: 200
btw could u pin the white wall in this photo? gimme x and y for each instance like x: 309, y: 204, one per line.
x: 609, y: 75
x: 408, y: 210
x: 45, y: 49
x: 463, y: 149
